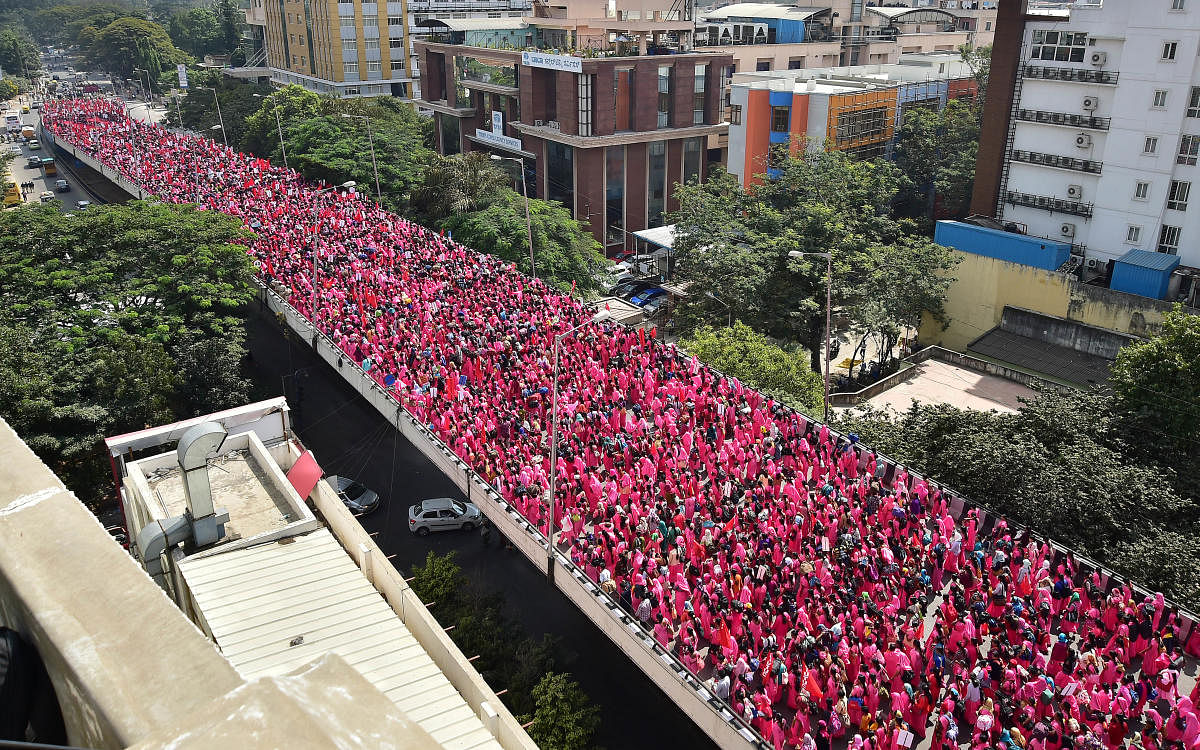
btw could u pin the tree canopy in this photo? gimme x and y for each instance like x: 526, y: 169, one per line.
x: 936, y: 152
x: 114, y: 319
x: 128, y: 43
x: 1158, y: 380
x: 749, y: 356
x: 18, y: 53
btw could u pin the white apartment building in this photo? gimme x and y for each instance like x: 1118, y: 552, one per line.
x: 1103, y: 143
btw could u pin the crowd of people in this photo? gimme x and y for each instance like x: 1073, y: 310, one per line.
x: 833, y: 602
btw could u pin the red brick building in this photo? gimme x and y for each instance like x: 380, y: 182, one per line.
x: 609, y: 136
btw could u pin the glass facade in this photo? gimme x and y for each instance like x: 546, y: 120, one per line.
x: 656, y: 193
x: 664, y: 96
x: 699, y: 91
x: 614, y: 195
x: 560, y: 174
x: 450, y: 134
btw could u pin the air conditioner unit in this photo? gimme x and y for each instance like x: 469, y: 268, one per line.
x: 1067, y: 229
x: 1083, y: 140
x: 1092, y: 263
x: 552, y: 124
x: 1075, y: 192
x: 1098, y: 58
x: 538, y: 123
x: 1076, y: 261
x: 1090, y: 103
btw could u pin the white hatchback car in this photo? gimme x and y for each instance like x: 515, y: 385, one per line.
x: 442, y: 514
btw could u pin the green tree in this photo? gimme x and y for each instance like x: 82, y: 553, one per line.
x: 457, y: 184
x: 231, y: 20
x: 1158, y: 381
x: 565, y: 252
x: 750, y: 357
x: 8, y: 89
x: 196, y: 31
x: 18, y: 53
x: 564, y: 718
x: 439, y: 580
x: 260, y: 132
x: 979, y: 61
x: 238, y: 103
x: 936, y: 152
x: 128, y: 43
x: 62, y: 23
x: 115, y: 319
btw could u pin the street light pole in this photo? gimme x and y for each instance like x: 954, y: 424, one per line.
x: 317, y: 216
x: 370, y: 140
x: 729, y: 318
x: 525, y: 195
x: 558, y: 339
x: 217, y: 99
x: 828, y: 314
x: 278, y: 126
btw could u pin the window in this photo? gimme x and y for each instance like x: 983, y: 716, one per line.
x: 1177, y: 198
x: 861, y: 124
x: 1061, y: 46
x: 692, y: 149
x: 762, y: 65
x: 1160, y: 99
x: 1189, y: 149
x: 735, y: 114
x: 346, y: 21
x: 1141, y: 191
x: 656, y: 193
x: 780, y: 116
x: 560, y: 174
x: 699, y: 94
x: 374, y: 66
x: 1168, y: 239
x: 350, y: 67
x: 370, y: 22
x: 451, y: 134
x: 1151, y: 145
x: 371, y: 44
x: 664, y: 96
x: 397, y: 65
x: 1133, y: 234
x: 614, y: 195
x: 1194, y: 102
x: 795, y: 63
x: 987, y: 25
x: 349, y: 45
x: 585, y: 103
x: 395, y: 20
x: 395, y: 44
x: 1169, y: 50
x: 1176, y: 4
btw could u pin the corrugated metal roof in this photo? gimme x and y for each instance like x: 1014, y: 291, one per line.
x: 894, y: 13
x: 1151, y: 260
x: 661, y: 236
x: 763, y: 10
x: 259, y: 601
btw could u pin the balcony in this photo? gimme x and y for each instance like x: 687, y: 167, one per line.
x: 1065, y: 119
x: 1058, y: 162
x: 1078, y: 75
x: 1046, y: 203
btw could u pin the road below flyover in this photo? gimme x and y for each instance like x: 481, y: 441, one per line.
x: 339, y: 427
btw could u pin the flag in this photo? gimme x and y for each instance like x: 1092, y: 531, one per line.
x: 642, y: 336
x: 729, y: 526
x: 606, y: 307
x: 572, y: 286
x: 813, y: 687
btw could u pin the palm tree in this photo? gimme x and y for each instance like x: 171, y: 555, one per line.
x: 458, y: 184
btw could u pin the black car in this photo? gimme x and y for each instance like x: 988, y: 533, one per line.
x: 627, y: 289
x: 357, y: 498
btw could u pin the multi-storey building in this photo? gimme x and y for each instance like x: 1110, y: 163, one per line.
x: 342, y: 48
x: 424, y: 17
x: 774, y: 36
x: 607, y: 127
x: 1092, y: 127
x: 857, y: 109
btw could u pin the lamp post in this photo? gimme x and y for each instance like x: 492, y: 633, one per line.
x: 371, y: 140
x: 217, y: 99
x: 558, y: 339
x: 828, y: 314
x: 525, y: 194
x: 317, y: 216
x: 278, y: 125
x: 146, y: 92
x: 729, y: 319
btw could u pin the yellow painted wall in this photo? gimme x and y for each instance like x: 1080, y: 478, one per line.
x: 976, y: 300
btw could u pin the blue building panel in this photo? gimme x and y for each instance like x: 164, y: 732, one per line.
x: 781, y: 98
x: 789, y: 31
x: 1143, y: 273
x: 993, y: 243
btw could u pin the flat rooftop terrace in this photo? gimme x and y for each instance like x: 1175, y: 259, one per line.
x: 938, y: 382
x: 239, y: 485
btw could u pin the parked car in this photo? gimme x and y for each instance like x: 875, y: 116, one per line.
x: 442, y: 514
x: 627, y: 289
x: 641, y: 298
x: 35, y: 145
x: 651, y: 308
x: 46, y: 196
x: 33, y: 162
x: 62, y: 186
x: 355, y: 496
x: 82, y: 205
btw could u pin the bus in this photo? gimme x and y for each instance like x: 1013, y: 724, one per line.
x: 12, y: 121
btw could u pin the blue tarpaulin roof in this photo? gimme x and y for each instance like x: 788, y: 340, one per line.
x: 1151, y: 260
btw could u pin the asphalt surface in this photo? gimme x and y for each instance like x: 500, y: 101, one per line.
x: 348, y: 437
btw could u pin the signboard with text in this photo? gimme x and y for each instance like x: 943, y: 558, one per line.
x: 565, y: 63
x: 182, y: 75
x: 497, y: 122
x: 487, y: 136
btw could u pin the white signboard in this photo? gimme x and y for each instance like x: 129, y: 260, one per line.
x: 487, y: 136
x: 552, y: 62
x: 182, y: 75
x: 497, y: 122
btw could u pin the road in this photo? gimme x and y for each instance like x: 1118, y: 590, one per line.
x: 350, y: 438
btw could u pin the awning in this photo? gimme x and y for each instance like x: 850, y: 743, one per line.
x: 1059, y: 362
x: 660, y: 236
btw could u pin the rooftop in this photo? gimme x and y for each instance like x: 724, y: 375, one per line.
x: 763, y: 10
x: 938, y: 382
x: 913, y: 68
